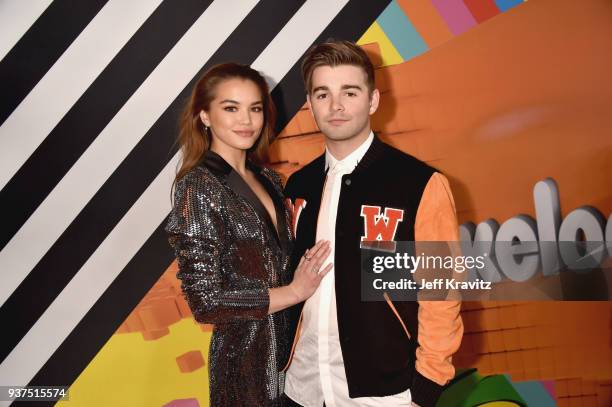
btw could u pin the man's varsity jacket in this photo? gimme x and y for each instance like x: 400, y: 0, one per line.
x: 387, y: 347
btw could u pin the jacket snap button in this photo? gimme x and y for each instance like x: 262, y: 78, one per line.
x: 347, y: 181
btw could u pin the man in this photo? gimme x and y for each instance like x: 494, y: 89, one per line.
x: 348, y: 352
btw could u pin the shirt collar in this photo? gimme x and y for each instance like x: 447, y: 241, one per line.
x: 351, y: 160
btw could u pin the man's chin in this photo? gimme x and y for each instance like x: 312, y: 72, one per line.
x: 337, y: 135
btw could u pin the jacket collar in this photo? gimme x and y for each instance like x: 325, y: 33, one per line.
x: 350, y: 161
x: 215, y: 163
x: 222, y: 169
x: 374, y: 153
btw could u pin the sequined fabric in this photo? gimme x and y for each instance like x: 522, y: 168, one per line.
x: 229, y: 255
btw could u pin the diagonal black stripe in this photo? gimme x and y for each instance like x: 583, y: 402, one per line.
x: 95, y: 108
x: 38, y: 49
x: 155, y: 255
x: 124, y: 187
x: 139, y: 275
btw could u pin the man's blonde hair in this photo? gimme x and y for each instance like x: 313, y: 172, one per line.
x: 333, y: 53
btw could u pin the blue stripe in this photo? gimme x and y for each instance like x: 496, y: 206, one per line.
x: 534, y: 394
x: 504, y: 5
x: 401, y: 32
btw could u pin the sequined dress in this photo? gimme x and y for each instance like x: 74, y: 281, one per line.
x: 229, y: 254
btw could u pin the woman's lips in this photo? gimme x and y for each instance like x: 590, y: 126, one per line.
x: 244, y: 133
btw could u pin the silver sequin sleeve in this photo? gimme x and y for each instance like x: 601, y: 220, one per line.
x: 197, y: 230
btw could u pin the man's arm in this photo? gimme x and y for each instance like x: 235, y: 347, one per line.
x: 440, y: 326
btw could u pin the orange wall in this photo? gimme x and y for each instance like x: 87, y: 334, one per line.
x: 523, y: 96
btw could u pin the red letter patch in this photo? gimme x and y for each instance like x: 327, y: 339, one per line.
x: 296, y: 210
x: 380, y: 227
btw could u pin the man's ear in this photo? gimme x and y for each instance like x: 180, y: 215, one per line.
x: 204, y: 117
x: 309, y: 105
x: 374, y: 99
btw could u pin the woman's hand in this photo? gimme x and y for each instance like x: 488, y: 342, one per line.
x: 306, y: 279
x: 309, y: 274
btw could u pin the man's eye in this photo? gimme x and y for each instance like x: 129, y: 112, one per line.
x: 321, y: 96
x: 351, y: 94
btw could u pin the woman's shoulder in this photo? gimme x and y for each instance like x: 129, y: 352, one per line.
x: 273, y: 176
x: 199, y: 176
x: 198, y: 183
x: 198, y: 199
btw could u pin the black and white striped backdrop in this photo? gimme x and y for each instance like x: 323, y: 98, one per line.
x: 91, y: 91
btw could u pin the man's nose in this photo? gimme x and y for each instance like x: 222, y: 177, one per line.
x: 336, y: 104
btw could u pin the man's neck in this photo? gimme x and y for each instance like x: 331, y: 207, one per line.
x: 341, y: 149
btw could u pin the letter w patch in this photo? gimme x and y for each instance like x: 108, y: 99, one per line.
x: 380, y: 228
x: 296, y: 211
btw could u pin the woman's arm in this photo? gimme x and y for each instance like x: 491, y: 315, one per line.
x: 306, y: 279
x: 197, y: 233
x: 308, y: 274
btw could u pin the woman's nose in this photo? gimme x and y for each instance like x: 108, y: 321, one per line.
x: 245, y: 117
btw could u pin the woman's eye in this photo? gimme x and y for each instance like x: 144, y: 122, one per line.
x: 257, y: 109
x: 230, y: 109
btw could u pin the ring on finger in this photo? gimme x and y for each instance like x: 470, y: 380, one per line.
x: 306, y: 257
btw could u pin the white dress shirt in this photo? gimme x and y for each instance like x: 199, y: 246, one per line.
x: 316, y: 373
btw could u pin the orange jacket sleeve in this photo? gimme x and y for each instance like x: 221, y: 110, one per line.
x: 440, y: 325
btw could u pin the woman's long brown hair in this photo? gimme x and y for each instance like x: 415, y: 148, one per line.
x: 194, y: 140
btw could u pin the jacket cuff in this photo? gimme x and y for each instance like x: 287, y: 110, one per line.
x: 425, y: 392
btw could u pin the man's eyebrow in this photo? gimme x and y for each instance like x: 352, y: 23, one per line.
x: 343, y: 87
x: 318, y: 88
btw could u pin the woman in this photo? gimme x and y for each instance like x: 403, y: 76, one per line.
x: 232, y: 237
